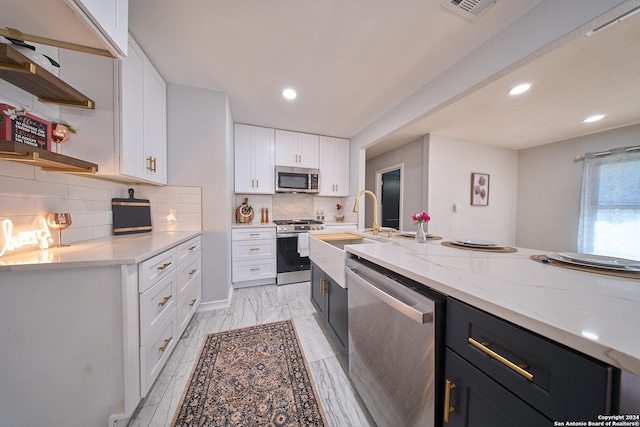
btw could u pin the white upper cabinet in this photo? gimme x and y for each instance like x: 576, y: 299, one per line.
x: 92, y: 25
x: 254, y: 159
x: 296, y: 149
x: 143, y: 97
x: 111, y: 20
x: 334, y: 166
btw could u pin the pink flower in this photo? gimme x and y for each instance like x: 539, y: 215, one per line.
x: 420, y: 217
x: 339, y: 206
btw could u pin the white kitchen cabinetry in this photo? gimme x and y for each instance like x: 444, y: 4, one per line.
x: 95, y: 25
x: 254, y: 159
x: 296, y: 149
x: 143, y: 95
x: 334, y: 166
x: 253, y: 255
x: 169, y: 286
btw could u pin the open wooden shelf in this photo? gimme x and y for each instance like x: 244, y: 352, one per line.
x: 18, y: 70
x: 47, y: 160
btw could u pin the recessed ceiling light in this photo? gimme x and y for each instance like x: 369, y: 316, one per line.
x: 289, y: 93
x: 594, y: 118
x: 522, y: 88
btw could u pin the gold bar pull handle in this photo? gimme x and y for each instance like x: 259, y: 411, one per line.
x: 164, y: 301
x: 484, y: 348
x: 163, y: 266
x: 448, y: 409
x: 192, y: 247
x: 166, y: 344
x: 192, y: 272
x: 255, y: 269
x: 193, y: 302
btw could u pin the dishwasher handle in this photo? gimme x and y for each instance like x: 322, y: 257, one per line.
x: 404, y: 301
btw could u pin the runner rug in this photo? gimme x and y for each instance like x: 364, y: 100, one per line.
x: 254, y: 376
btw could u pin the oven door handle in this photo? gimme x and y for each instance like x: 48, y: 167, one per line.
x: 402, y: 300
x: 283, y: 235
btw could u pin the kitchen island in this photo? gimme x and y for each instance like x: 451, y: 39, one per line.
x: 594, y: 314
x: 81, y: 325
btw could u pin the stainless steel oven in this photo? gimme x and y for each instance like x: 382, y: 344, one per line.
x: 292, y: 249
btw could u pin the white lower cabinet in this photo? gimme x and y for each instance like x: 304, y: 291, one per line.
x: 253, y: 255
x: 170, y: 287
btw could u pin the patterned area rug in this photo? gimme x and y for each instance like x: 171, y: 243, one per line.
x: 254, y: 376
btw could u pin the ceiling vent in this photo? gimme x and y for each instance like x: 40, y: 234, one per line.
x: 469, y: 9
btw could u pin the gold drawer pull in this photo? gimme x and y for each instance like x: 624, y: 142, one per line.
x: 166, y: 344
x: 447, y: 400
x: 483, y: 347
x: 254, y: 234
x: 163, y: 266
x: 192, y: 272
x: 192, y: 247
x: 164, y: 301
x: 193, y: 301
x: 255, y: 269
x: 254, y: 249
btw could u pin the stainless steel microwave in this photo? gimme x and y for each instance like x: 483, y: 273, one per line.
x: 296, y: 180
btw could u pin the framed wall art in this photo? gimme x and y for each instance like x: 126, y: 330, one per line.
x: 479, y: 189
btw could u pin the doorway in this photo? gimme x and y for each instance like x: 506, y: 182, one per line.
x: 389, y: 193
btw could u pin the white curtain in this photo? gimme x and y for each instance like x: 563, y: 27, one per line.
x: 610, y: 206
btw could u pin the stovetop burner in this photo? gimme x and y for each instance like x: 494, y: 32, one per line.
x: 295, y: 221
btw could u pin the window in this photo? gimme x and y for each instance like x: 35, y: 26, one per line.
x: 610, y: 206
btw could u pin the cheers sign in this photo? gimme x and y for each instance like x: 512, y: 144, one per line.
x: 35, y: 237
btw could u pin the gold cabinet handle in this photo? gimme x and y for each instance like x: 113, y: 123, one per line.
x: 252, y: 183
x: 448, y: 409
x: 163, y: 266
x: 192, y: 247
x: 484, y: 348
x: 164, y: 301
x: 192, y: 272
x: 255, y: 269
x: 155, y: 160
x: 166, y: 344
x: 254, y: 234
x: 321, y: 287
x: 193, y: 301
x: 254, y: 249
x: 257, y: 183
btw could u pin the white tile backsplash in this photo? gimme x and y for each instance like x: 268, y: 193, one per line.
x: 27, y: 193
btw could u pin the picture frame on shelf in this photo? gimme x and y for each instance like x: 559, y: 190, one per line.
x: 479, y: 189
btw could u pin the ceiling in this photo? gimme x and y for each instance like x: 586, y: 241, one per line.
x: 353, y: 61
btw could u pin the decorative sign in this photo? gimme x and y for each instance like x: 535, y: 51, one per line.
x: 38, y: 236
x: 25, y: 128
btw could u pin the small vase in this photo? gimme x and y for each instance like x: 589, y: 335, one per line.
x: 421, y: 236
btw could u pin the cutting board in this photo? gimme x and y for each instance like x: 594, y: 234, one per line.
x: 131, y: 215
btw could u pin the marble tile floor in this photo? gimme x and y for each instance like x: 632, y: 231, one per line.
x: 253, y: 306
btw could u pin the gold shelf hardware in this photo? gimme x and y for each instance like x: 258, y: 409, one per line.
x: 163, y: 266
x: 28, y: 157
x: 484, y: 348
x: 22, y: 68
x: 16, y: 34
x: 193, y: 301
x: 192, y: 272
x: 85, y: 103
x: 90, y: 170
x: 166, y: 344
x: 448, y: 409
x: 164, y: 301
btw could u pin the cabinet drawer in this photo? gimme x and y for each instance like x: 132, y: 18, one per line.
x: 156, y: 304
x: 253, y: 270
x: 563, y: 384
x: 477, y: 400
x: 187, y: 307
x: 154, y: 269
x: 253, y: 233
x: 189, y: 248
x: 155, y: 353
x: 188, y: 273
x: 245, y: 249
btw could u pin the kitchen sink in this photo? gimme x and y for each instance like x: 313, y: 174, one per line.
x: 327, y: 251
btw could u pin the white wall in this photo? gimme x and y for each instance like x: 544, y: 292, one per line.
x: 549, y: 185
x: 451, y: 163
x: 199, y: 144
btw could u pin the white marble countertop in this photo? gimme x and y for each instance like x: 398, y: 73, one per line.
x: 593, y: 313
x: 111, y: 250
x: 252, y: 224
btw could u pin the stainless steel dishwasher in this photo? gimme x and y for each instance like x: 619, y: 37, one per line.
x: 396, y: 345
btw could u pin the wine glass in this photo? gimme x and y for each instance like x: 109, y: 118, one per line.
x: 59, y: 221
